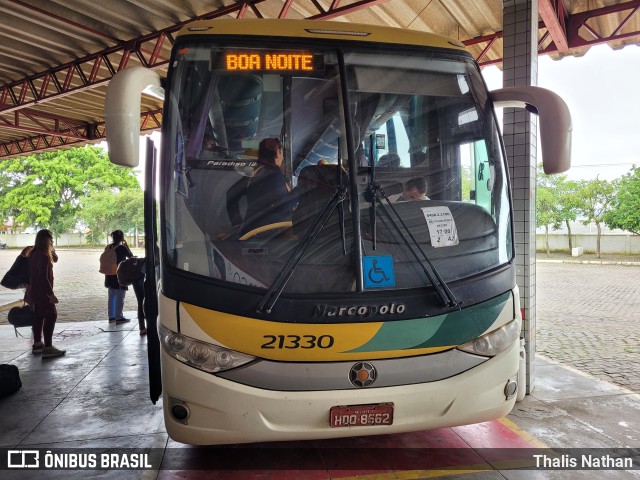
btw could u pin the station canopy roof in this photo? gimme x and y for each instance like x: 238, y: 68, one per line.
x: 57, y: 56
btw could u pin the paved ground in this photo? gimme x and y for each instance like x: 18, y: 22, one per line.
x: 588, y: 316
x: 588, y: 313
x: 99, y: 398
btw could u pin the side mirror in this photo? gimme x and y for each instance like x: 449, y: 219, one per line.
x: 555, y: 122
x: 122, y: 112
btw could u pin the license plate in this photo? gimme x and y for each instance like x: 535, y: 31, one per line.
x: 361, y: 415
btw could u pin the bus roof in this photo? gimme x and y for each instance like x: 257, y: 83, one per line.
x: 320, y: 29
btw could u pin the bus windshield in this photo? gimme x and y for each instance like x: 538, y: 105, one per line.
x: 344, y: 160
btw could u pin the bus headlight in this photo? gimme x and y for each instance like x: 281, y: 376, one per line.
x: 201, y: 355
x: 494, y: 342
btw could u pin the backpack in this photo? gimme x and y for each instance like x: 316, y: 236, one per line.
x: 21, y: 317
x: 130, y: 270
x: 9, y: 380
x: 109, y: 260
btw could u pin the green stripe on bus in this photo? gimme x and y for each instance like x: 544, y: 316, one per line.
x: 453, y: 328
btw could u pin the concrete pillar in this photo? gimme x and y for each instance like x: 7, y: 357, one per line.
x: 520, y: 67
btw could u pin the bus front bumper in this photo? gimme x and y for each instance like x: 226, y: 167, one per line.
x: 219, y: 411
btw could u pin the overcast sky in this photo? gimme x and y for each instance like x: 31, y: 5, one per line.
x: 602, y: 90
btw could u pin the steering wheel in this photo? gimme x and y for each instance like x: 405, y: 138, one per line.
x: 265, y: 228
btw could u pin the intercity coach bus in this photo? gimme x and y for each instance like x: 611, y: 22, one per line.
x: 382, y: 298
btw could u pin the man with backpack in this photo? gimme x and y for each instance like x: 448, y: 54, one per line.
x: 113, y: 254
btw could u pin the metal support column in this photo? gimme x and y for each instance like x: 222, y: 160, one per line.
x: 520, y: 62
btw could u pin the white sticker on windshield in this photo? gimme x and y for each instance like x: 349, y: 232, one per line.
x: 442, y: 227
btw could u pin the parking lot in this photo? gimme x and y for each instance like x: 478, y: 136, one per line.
x: 77, y: 284
x: 588, y: 315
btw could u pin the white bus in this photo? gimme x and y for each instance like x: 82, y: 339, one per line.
x: 359, y: 281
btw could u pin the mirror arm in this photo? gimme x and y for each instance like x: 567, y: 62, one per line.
x: 122, y: 112
x: 555, y: 122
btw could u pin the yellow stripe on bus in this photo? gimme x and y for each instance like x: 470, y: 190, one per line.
x: 295, y: 341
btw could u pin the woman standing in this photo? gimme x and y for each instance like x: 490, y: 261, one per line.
x: 117, y: 291
x: 40, y: 296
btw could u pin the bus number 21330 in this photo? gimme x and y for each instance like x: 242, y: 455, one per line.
x: 297, y: 341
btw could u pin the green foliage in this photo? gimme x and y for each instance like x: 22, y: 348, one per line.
x: 624, y: 212
x: 104, y: 212
x: 545, y: 207
x: 44, y: 190
x: 559, y: 202
x: 594, y: 198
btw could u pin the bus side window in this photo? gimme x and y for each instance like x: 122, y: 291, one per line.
x: 477, y: 174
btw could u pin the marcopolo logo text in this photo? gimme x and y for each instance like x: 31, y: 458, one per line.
x: 324, y: 310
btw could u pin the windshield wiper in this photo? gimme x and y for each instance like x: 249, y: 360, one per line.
x: 370, y: 194
x: 273, y: 293
x: 445, y: 294
x: 343, y: 235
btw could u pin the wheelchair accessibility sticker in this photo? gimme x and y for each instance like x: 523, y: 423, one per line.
x: 378, y: 272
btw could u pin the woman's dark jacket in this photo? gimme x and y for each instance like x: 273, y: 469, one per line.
x: 40, y: 283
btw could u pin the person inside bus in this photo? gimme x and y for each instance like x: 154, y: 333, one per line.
x: 414, y: 189
x: 268, y: 193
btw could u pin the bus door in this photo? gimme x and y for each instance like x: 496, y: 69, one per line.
x: 152, y: 262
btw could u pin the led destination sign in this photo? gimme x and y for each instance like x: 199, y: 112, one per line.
x: 266, y: 61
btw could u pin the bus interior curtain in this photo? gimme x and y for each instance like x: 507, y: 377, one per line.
x: 194, y: 142
x: 241, y: 104
x: 363, y: 113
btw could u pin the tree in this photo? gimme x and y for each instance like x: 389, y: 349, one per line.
x: 43, y: 190
x: 466, y: 178
x: 545, y: 210
x: 594, y: 198
x: 104, y: 212
x: 131, y: 203
x: 559, y: 203
x: 568, y: 202
x: 624, y: 212
x: 565, y: 209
